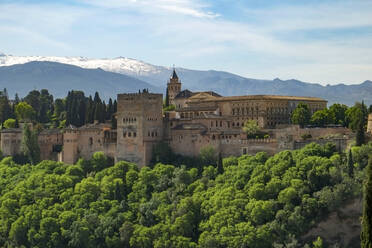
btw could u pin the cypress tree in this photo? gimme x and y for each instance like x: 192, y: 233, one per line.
x: 115, y: 106
x: 360, y: 134
x: 110, y: 110
x: 90, y: 110
x: 219, y: 164
x: 366, y: 234
x: 113, y: 122
x: 167, y: 98
x: 30, y: 146
x: 350, y: 164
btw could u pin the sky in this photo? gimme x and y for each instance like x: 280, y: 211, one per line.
x: 327, y: 41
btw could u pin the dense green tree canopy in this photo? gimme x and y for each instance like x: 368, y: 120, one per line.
x: 301, y: 115
x: 256, y: 201
x: 24, y: 112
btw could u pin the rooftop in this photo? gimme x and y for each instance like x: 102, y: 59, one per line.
x: 266, y: 97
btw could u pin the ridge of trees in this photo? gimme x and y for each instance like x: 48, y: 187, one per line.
x: 252, y: 201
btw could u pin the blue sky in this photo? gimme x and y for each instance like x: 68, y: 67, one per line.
x: 325, y: 42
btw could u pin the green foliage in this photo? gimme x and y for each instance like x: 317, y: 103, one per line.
x: 251, y: 128
x: 301, y: 115
x: 339, y: 112
x: 10, y: 123
x: 255, y: 201
x: 6, y: 111
x: 318, y: 243
x: 366, y: 234
x: 169, y: 108
x: 30, y: 146
x: 24, y: 112
x: 208, y: 155
x: 323, y: 117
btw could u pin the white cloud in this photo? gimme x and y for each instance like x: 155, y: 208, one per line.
x: 187, y: 31
x: 183, y: 7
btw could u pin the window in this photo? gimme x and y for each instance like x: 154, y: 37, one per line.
x: 90, y: 141
x: 129, y: 134
x: 134, y: 134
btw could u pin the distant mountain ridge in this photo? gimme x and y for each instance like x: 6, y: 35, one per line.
x: 223, y: 83
x: 60, y: 78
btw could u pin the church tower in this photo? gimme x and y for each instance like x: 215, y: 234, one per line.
x: 173, y: 88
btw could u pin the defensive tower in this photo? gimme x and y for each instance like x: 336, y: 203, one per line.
x: 139, y: 126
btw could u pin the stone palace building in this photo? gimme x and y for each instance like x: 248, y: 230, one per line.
x: 199, y: 119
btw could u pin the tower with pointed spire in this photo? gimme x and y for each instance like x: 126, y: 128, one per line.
x: 173, y: 88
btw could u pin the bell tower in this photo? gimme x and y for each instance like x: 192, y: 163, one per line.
x: 173, y: 87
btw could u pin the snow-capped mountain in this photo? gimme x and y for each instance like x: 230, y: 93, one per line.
x: 119, y: 65
x: 17, y: 69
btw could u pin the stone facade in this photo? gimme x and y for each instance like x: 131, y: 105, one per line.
x: 369, y: 125
x: 85, y: 141
x: 200, y: 119
x: 11, y: 140
x: 139, y: 126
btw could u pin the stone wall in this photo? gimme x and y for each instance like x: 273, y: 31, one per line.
x: 139, y: 126
x: 49, y: 142
x: 11, y: 140
x: 369, y: 124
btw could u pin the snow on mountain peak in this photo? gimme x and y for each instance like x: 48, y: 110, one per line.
x: 120, y: 64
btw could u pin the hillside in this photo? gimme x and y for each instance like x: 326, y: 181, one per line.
x: 222, y: 82
x: 254, y: 201
x: 60, y: 78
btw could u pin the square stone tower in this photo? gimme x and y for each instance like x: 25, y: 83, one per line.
x: 139, y: 126
x: 173, y: 87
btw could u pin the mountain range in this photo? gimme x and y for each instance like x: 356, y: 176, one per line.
x: 118, y: 75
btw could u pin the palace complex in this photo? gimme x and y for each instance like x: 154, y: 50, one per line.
x: 199, y: 119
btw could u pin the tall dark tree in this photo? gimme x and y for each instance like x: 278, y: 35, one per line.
x: 167, y: 98
x: 360, y: 133
x: 89, y: 111
x: 366, y: 234
x: 115, y: 106
x: 220, y: 163
x: 16, y: 99
x: 75, y: 108
x: 110, y: 110
x: 30, y: 146
x: 6, y: 110
x: 350, y: 164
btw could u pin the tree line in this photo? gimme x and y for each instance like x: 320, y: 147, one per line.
x: 354, y: 117
x: 41, y: 107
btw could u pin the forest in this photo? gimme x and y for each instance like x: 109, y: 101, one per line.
x: 248, y: 201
